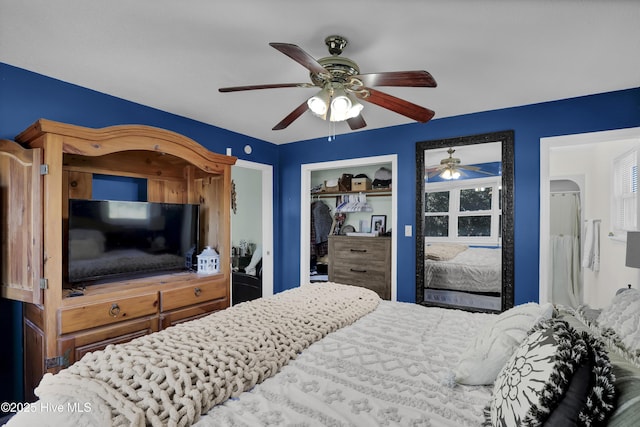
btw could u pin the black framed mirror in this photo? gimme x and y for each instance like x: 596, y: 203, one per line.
x: 464, y: 222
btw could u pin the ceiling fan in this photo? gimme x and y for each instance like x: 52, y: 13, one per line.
x: 342, y: 86
x: 451, y: 168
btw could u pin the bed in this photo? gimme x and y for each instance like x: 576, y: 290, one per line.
x: 319, y: 355
x: 462, y: 268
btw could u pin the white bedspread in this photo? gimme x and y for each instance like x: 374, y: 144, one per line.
x: 390, y: 368
x: 473, y: 270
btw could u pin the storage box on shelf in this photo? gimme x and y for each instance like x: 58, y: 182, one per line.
x: 53, y: 162
x: 360, y: 184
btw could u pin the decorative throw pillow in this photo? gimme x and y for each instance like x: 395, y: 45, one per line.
x: 483, y: 359
x: 623, y: 317
x: 557, y: 377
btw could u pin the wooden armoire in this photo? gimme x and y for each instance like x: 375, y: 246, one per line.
x: 50, y: 163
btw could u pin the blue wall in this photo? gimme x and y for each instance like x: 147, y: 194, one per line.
x: 578, y: 115
x: 26, y: 97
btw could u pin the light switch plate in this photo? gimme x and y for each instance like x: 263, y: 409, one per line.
x: 408, y: 231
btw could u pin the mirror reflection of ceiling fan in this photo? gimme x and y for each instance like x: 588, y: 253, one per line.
x: 342, y: 86
x: 452, y: 168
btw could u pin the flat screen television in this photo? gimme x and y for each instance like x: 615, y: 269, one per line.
x: 112, y: 239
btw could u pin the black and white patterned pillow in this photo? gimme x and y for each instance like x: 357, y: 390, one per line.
x: 557, y: 377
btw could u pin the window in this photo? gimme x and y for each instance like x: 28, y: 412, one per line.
x: 624, y: 204
x: 464, y: 211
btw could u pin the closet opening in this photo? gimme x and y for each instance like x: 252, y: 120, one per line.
x: 338, y: 210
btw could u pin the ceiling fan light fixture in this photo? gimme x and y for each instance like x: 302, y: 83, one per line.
x: 335, y: 104
x: 342, y: 106
x: 450, y: 173
x: 319, y: 103
x: 355, y: 109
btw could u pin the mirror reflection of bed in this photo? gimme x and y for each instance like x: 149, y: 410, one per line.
x: 463, y: 275
x: 465, y: 222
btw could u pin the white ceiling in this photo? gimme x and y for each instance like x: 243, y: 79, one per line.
x: 174, y: 55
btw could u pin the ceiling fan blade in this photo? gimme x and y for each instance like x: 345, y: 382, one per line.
x: 398, y: 105
x: 433, y: 173
x: 356, y: 122
x: 475, y: 169
x: 398, y: 78
x: 300, y: 56
x: 268, y: 86
x: 292, y: 116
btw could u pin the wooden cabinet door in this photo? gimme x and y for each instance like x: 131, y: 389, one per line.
x: 20, y: 222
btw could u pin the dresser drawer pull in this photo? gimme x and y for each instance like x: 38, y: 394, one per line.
x: 358, y: 250
x: 358, y: 271
x: 114, y: 310
x: 197, y: 291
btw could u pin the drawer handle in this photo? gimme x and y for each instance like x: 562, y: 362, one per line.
x: 358, y: 271
x: 114, y: 310
x: 197, y: 291
x: 358, y: 250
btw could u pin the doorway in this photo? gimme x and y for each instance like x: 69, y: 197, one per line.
x: 589, y: 156
x: 252, y: 220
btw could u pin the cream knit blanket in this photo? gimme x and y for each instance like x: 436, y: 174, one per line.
x: 173, y: 376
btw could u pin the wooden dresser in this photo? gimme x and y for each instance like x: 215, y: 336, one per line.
x: 50, y: 163
x: 361, y: 261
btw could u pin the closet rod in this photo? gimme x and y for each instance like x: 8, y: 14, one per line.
x: 327, y: 196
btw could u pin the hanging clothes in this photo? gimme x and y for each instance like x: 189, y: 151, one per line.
x: 321, y: 221
x: 591, y: 252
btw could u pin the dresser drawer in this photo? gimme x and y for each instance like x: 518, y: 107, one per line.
x: 193, y: 294
x: 105, y: 313
x: 377, y: 282
x: 365, y: 248
x: 366, y: 267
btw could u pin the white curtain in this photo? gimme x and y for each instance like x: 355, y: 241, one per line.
x: 565, y: 249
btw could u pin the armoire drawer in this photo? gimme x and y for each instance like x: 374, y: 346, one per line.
x: 194, y: 294
x: 108, y: 312
x: 171, y: 318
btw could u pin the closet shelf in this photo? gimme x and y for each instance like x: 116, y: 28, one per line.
x: 370, y: 193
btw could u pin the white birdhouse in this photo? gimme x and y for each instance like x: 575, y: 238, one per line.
x: 208, y: 261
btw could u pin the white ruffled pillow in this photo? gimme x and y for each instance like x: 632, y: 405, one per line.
x: 483, y: 359
x: 623, y: 316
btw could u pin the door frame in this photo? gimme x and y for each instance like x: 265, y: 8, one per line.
x: 267, y: 221
x: 305, y: 211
